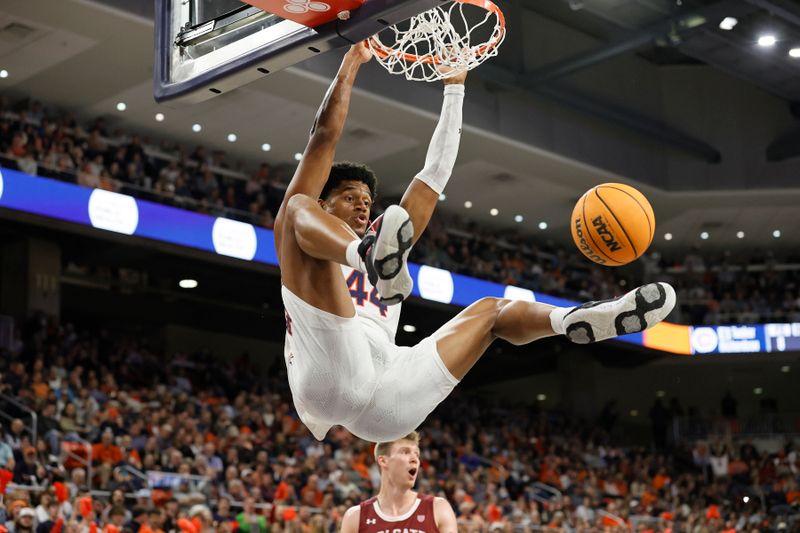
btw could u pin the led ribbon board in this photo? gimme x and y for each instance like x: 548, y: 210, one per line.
x: 126, y: 215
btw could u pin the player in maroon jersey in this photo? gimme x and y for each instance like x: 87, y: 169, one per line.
x: 398, y: 508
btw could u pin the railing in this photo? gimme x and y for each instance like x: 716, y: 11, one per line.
x: 31, y: 429
x: 543, y: 493
x: 765, y: 425
x: 265, y: 507
x: 638, y: 519
x: 137, y: 473
x: 611, y: 516
x: 11, y: 487
x: 158, y: 479
x: 759, y: 267
x: 471, y: 525
x: 183, y: 202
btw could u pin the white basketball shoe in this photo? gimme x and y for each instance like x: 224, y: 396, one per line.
x: 641, y: 308
x: 384, y: 250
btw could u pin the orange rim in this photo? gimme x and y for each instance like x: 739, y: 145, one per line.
x: 384, y: 51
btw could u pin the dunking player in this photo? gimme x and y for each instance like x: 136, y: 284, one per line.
x: 341, y: 280
x: 397, y: 507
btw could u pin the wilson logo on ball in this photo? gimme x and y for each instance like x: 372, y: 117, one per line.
x: 604, y: 233
x: 583, y: 244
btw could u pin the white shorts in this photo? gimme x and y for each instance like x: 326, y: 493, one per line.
x: 345, y: 371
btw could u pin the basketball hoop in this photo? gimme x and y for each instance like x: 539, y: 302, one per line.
x: 443, y: 41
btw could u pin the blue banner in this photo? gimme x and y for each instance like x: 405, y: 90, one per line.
x: 127, y: 215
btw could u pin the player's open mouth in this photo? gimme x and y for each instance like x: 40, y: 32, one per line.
x: 361, y: 219
x: 412, y: 472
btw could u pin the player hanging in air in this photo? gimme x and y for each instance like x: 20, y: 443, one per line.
x: 342, y: 281
x: 397, y: 507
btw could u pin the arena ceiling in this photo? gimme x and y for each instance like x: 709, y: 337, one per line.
x: 650, y: 92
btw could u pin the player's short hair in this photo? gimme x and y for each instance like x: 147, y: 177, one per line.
x: 346, y: 170
x: 385, y: 448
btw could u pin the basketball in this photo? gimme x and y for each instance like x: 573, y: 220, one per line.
x: 613, y: 224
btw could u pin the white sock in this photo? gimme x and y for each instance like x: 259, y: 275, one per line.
x: 353, y: 259
x: 557, y: 319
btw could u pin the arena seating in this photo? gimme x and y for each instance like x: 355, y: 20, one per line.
x: 184, y: 442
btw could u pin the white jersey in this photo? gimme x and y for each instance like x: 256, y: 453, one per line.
x: 349, y: 371
x: 369, y: 307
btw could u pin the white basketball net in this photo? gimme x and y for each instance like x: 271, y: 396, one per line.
x: 429, y: 47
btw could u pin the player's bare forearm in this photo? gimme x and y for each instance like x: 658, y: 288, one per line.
x: 419, y: 201
x: 330, y: 118
x: 314, y: 167
x: 313, y: 170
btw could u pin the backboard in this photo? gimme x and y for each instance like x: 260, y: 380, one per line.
x: 209, y: 47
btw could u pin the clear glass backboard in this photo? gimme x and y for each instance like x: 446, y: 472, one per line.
x: 209, y: 47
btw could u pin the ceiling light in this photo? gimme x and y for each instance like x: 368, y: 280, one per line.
x: 728, y: 23
x: 494, y: 212
x: 121, y: 106
x: 794, y: 52
x: 518, y: 218
x: 232, y: 137
x: 196, y: 128
x: 442, y: 197
x: 542, y: 225
x: 187, y: 283
x: 159, y: 117
x: 660, y: 393
x: 704, y: 235
x: 776, y: 233
x: 785, y: 369
x: 757, y: 391
x: 3, y: 73
x: 298, y: 156
x: 409, y: 328
x: 541, y: 397
x: 266, y: 147
x: 740, y: 235
x: 468, y: 204
x: 668, y: 236
x: 767, y: 41
x: 746, y: 499
x: 634, y: 412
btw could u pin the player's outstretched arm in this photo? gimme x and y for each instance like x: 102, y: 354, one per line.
x: 350, y: 520
x: 315, y: 166
x: 422, y: 194
x: 445, y: 517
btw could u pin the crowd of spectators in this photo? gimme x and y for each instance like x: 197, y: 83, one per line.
x: 56, y: 145
x: 190, y: 443
x: 712, y: 289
